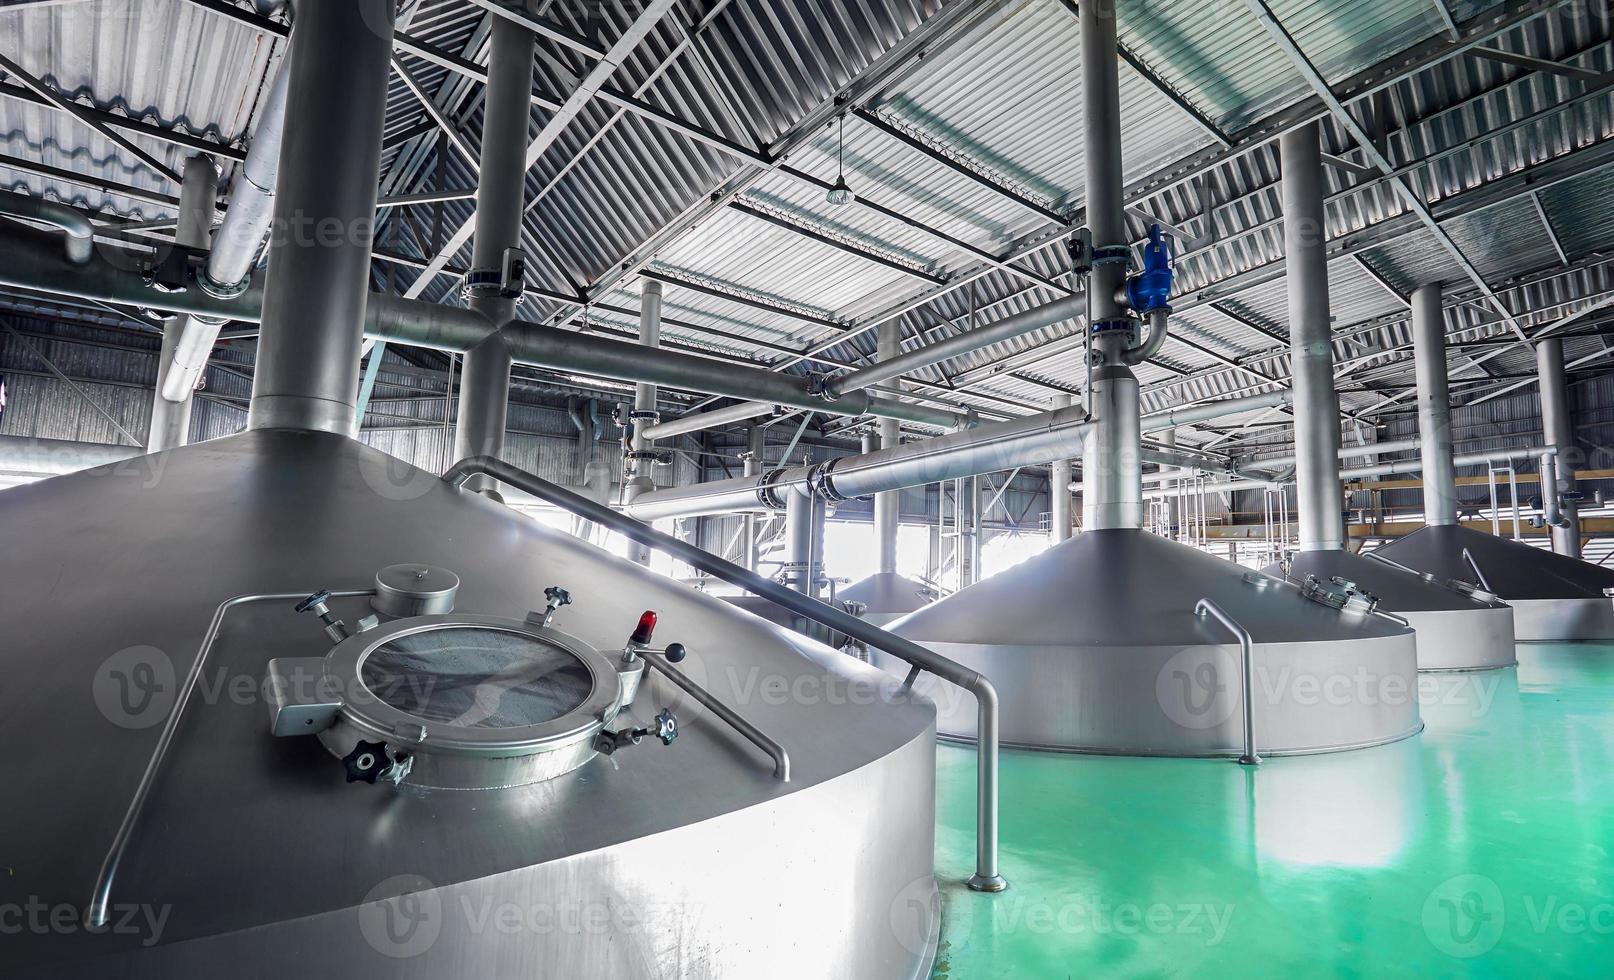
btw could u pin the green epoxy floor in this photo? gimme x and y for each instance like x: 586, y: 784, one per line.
x: 1481, y: 847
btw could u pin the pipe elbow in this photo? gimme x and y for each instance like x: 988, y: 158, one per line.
x: 80, y: 242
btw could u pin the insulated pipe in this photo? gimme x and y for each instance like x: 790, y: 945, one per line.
x: 1345, y: 452
x: 887, y: 504
x: 986, y: 877
x: 307, y: 373
x: 1027, y: 441
x: 1552, y: 510
x: 1434, y: 406
x: 1204, y: 411
x: 1311, y: 353
x: 1559, y: 433
x: 755, y: 456
x: 484, y: 404
x: 711, y: 419
x: 171, y: 417
x: 895, y: 364
x: 79, y: 243
x: 1059, y: 509
x: 235, y: 247
x: 1380, y: 469
x: 54, y: 457
x: 1110, y: 465
x: 638, y: 462
x: 799, y: 509
x: 32, y: 260
x: 1017, y: 325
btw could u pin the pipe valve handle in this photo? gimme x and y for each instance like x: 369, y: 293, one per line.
x: 675, y: 653
x: 557, y: 596
x: 314, y: 601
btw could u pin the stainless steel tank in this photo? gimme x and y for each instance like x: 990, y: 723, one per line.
x: 1459, y: 627
x: 1097, y: 645
x: 1554, y: 597
x: 255, y: 853
x: 887, y: 596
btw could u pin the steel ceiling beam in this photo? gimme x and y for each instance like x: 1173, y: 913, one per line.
x: 137, y: 127
x: 1309, y: 72
x: 90, y: 120
x: 444, y: 124
x: 749, y: 209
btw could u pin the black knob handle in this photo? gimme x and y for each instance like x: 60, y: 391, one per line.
x: 558, y: 596
x: 367, y: 761
x: 317, y: 599
x: 675, y: 653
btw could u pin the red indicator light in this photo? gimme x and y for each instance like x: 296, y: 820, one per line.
x: 646, y: 627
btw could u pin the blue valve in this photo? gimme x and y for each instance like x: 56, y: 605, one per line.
x: 1150, y: 290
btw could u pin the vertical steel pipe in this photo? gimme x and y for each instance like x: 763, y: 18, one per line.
x: 799, y: 559
x: 1059, y: 477
x: 1305, y: 237
x: 171, y: 417
x: 888, y: 505
x: 756, y: 442
x: 307, y: 373
x: 1559, y: 432
x: 638, y: 460
x: 484, y: 405
x: 1434, y: 406
x: 1112, y: 478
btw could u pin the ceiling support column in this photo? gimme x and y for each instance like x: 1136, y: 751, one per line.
x: 1434, y: 406
x: 1559, y: 432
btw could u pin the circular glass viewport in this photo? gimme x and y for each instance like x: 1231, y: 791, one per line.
x: 471, y: 677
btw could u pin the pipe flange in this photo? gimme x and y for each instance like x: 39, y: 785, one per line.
x: 821, y: 480
x: 634, y: 455
x: 481, y: 282
x: 219, y: 290
x: 1118, y: 325
x: 767, y: 493
x: 1112, y: 255
x: 818, y: 385
x: 644, y: 415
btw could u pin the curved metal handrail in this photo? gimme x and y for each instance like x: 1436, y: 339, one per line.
x: 1246, y: 649
x: 986, y: 877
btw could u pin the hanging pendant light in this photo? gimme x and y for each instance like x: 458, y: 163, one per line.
x: 840, y: 193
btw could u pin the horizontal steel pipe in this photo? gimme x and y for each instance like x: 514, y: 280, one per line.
x: 1345, y: 452
x: 31, y: 259
x: 1184, y: 415
x: 957, y: 345
x: 996, y: 332
x: 984, y: 449
x: 79, y: 243
x: 53, y: 457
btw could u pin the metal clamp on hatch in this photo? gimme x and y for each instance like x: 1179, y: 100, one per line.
x: 1339, y: 593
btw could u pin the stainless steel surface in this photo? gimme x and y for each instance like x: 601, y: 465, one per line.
x: 306, y: 373
x: 414, y: 589
x: 662, y: 851
x: 1112, y: 479
x: 100, y: 905
x: 1060, y: 521
x: 1455, y: 631
x: 638, y: 469
x: 696, y: 421
x: 1246, y: 675
x: 53, y: 457
x: 756, y: 736
x: 240, y: 236
x: 1345, y: 452
x: 1311, y: 351
x: 78, y: 233
x: 1434, y: 406
x: 888, y: 503
x: 171, y: 413
x: 986, y: 877
x: 1554, y: 597
x: 484, y: 403
x: 1016, y: 325
x: 886, y: 596
x: 983, y: 449
x: 1094, y: 647
x: 1558, y: 431
x: 802, y: 514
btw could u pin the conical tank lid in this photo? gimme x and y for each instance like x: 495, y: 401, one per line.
x: 1129, y: 588
x: 1511, y: 569
x: 887, y: 593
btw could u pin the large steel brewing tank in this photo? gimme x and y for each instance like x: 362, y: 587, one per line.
x: 256, y: 856
x: 886, y: 597
x: 1458, y: 628
x: 1554, y: 597
x: 1095, y: 646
